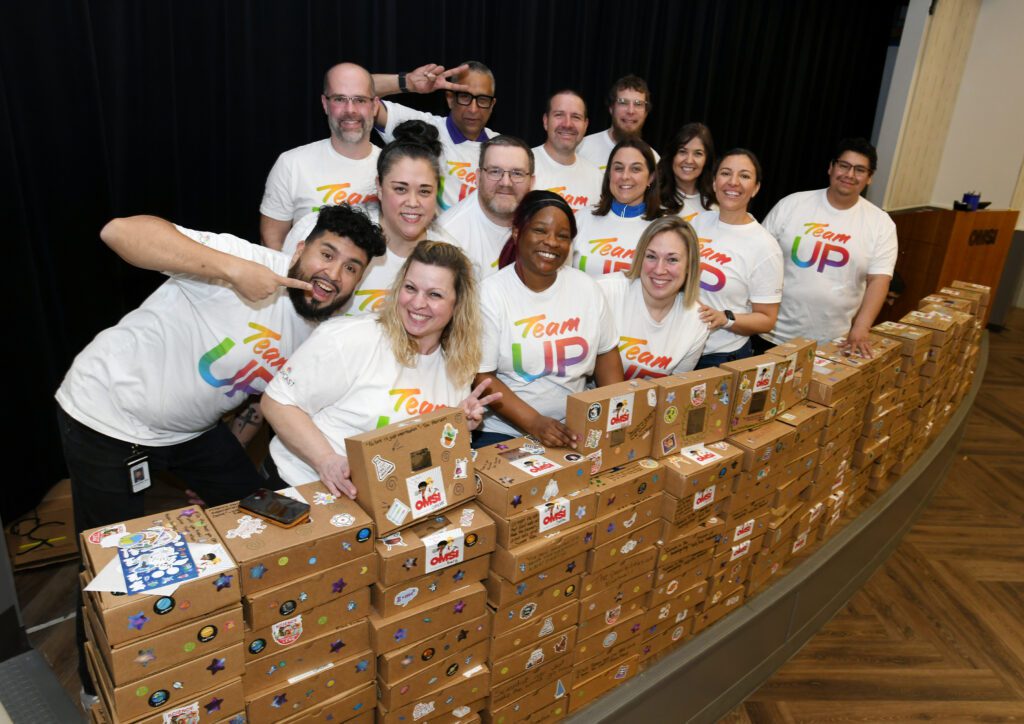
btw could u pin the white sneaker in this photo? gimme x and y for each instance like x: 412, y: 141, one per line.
x: 86, y: 700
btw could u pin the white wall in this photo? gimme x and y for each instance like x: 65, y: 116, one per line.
x: 984, y: 148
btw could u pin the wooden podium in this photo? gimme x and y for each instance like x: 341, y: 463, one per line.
x: 939, y: 245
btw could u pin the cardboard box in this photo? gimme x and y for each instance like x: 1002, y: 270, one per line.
x: 574, y: 509
x: 948, y: 301
x: 549, y: 682
x: 521, y: 562
x: 586, y: 692
x: 625, y: 568
x: 388, y: 633
x: 417, y: 656
x: 832, y: 380
x: 618, y: 488
x: 282, y: 652
x: 520, y: 474
x: 355, y: 706
x: 441, y: 673
x: 942, y: 325
x: 607, y: 603
x: 440, y: 705
x: 618, y: 523
x: 536, y: 606
x: 668, y: 613
x: 46, y: 534
x: 600, y: 651
x: 698, y: 467
x: 757, y: 382
x: 538, y: 629
x: 616, y: 422
x: 666, y: 639
x: 796, y: 385
x: 763, y: 444
x: 268, y: 555
x: 984, y: 291
x: 730, y: 601
x: 130, y: 617
x: 444, y: 540
x: 692, y: 407
x: 390, y: 600
x: 502, y: 592
x: 532, y: 657
x: 412, y: 469
x: 695, y: 537
x: 631, y: 544
x: 296, y: 597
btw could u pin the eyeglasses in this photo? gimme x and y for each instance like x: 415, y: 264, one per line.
x: 848, y: 167
x: 627, y: 102
x: 465, y: 99
x: 516, y: 175
x: 357, y: 101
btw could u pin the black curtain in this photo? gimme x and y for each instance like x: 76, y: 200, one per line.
x: 179, y: 107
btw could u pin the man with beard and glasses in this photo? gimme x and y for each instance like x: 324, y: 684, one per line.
x: 341, y: 169
x: 481, y: 224
x: 148, y: 394
x: 629, y: 102
x: 559, y: 168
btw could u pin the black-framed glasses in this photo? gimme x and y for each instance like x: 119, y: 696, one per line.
x: 465, y: 99
x: 845, y: 167
x: 516, y: 175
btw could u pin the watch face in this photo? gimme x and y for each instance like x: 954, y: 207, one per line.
x: 729, y: 315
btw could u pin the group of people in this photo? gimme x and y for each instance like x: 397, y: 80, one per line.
x: 454, y: 267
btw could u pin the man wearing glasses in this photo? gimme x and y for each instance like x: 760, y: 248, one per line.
x: 469, y: 91
x: 341, y: 169
x: 839, y: 251
x: 482, y: 223
x: 629, y: 102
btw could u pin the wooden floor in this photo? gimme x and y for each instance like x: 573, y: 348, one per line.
x: 936, y: 634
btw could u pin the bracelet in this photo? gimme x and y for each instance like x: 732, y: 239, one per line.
x: 401, y: 83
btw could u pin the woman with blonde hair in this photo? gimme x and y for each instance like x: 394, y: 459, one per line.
x: 360, y: 373
x: 655, y: 303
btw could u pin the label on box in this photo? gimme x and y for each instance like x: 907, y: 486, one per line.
x: 704, y: 498
x: 742, y: 531
x: 698, y: 393
x: 444, y: 548
x: 287, y: 632
x: 791, y: 370
x: 426, y: 492
x: 620, y: 412
x: 553, y: 514
x: 822, y: 364
x: 397, y: 513
x: 187, y: 713
x: 146, y: 566
x: 700, y: 455
x: 763, y: 376
x: 739, y: 550
x: 536, y: 465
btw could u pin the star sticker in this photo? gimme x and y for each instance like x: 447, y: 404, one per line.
x: 351, y: 606
x: 337, y: 646
x: 409, y: 564
x: 611, y: 499
x: 223, y: 581
x: 459, y: 575
x: 517, y: 500
x: 279, y: 701
x: 407, y: 660
x: 611, y: 527
x: 346, y: 545
x: 581, y: 511
x: 229, y: 625
x: 257, y: 571
x: 303, y: 595
x: 432, y: 587
x: 463, y: 635
x: 571, y: 567
x: 145, y: 657
x: 635, y: 628
x: 338, y: 586
x: 215, y: 666
x: 361, y: 666
x: 632, y: 454
x: 541, y: 576
x: 214, y: 705
x: 460, y: 607
x: 138, y: 621
x: 520, y: 589
x: 187, y: 513
x: 588, y: 537
x: 272, y: 669
x: 400, y: 634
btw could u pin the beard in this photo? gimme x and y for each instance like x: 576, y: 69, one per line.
x: 353, y: 136
x: 309, y: 308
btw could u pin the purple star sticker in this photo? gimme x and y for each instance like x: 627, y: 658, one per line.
x: 279, y: 701
x: 400, y: 634
x: 588, y: 537
x: 137, y: 621
x: 611, y: 527
x: 635, y: 628
x: 337, y: 646
x: 339, y: 585
x: 361, y: 666
x: 460, y: 607
x: 223, y: 581
x: 257, y: 571
x: 463, y: 634
x: 215, y: 666
x: 187, y: 513
x: 571, y: 567
x: 459, y: 575
x: 516, y: 500
x: 214, y: 705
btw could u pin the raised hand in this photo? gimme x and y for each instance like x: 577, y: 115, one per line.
x: 256, y: 282
x: 474, y: 406
x: 432, y: 77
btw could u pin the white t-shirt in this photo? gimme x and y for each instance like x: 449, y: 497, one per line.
x: 597, y: 147
x: 475, y: 234
x: 692, y: 207
x: 828, y: 254
x: 543, y: 345
x: 376, y: 282
x: 347, y: 379
x: 579, y: 184
x: 459, y: 158
x: 649, y: 348
x: 305, y: 178
x: 739, y: 265
x: 606, y: 244
x: 194, y: 350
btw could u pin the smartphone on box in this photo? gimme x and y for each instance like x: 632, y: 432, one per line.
x: 278, y: 509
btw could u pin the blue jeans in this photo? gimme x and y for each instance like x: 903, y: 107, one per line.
x: 713, y: 360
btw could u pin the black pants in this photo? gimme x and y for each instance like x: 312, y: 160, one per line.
x: 214, y: 465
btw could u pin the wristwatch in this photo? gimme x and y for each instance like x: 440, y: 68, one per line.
x: 401, y: 83
x: 730, y: 319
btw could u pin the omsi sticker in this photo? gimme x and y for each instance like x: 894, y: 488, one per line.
x: 426, y: 492
x: 704, y: 498
x: 763, y: 377
x: 700, y: 455
x: 620, y: 412
x: 444, y: 548
x: 553, y: 514
x: 535, y: 465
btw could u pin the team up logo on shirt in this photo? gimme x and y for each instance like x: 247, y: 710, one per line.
x: 614, y: 257
x: 712, y: 278
x: 464, y: 175
x: 559, y: 354
x: 253, y: 377
x: 576, y: 202
x: 409, y: 403
x: 335, y: 194
x: 370, y: 300
x: 824, y: 253
x: 644, y: 362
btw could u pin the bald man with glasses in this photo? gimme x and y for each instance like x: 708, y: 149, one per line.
x: 341, y: 169
x: 469, y: 92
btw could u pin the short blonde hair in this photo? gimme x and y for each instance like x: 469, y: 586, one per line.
x: 691, y: 285
x: 460, y: 340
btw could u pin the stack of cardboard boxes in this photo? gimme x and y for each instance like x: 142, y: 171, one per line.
x: 176, y: 650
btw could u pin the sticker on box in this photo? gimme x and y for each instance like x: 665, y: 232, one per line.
x: 404, y: 597
x: 763, y: 376
x: 398, y: 512
x: 147, y: 567
x: 698, y: 393
x: 382, y: 467
x: 535, y: 465
x: 595, y: 462
x: 449, y: 435
x: 553, y: 514
x: 593, y: 438
x: 97, y: 536
x: 550, y: 490
x: 342, y: 520
x: 594, y: 412
x: 187, y: 713
x: 700, y: 455
x: 461, y: 469
x: 704, y: 498
x: 444, y: 548
x: 620, y: 411
x: 287, y: 632
x: 426, y: 492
